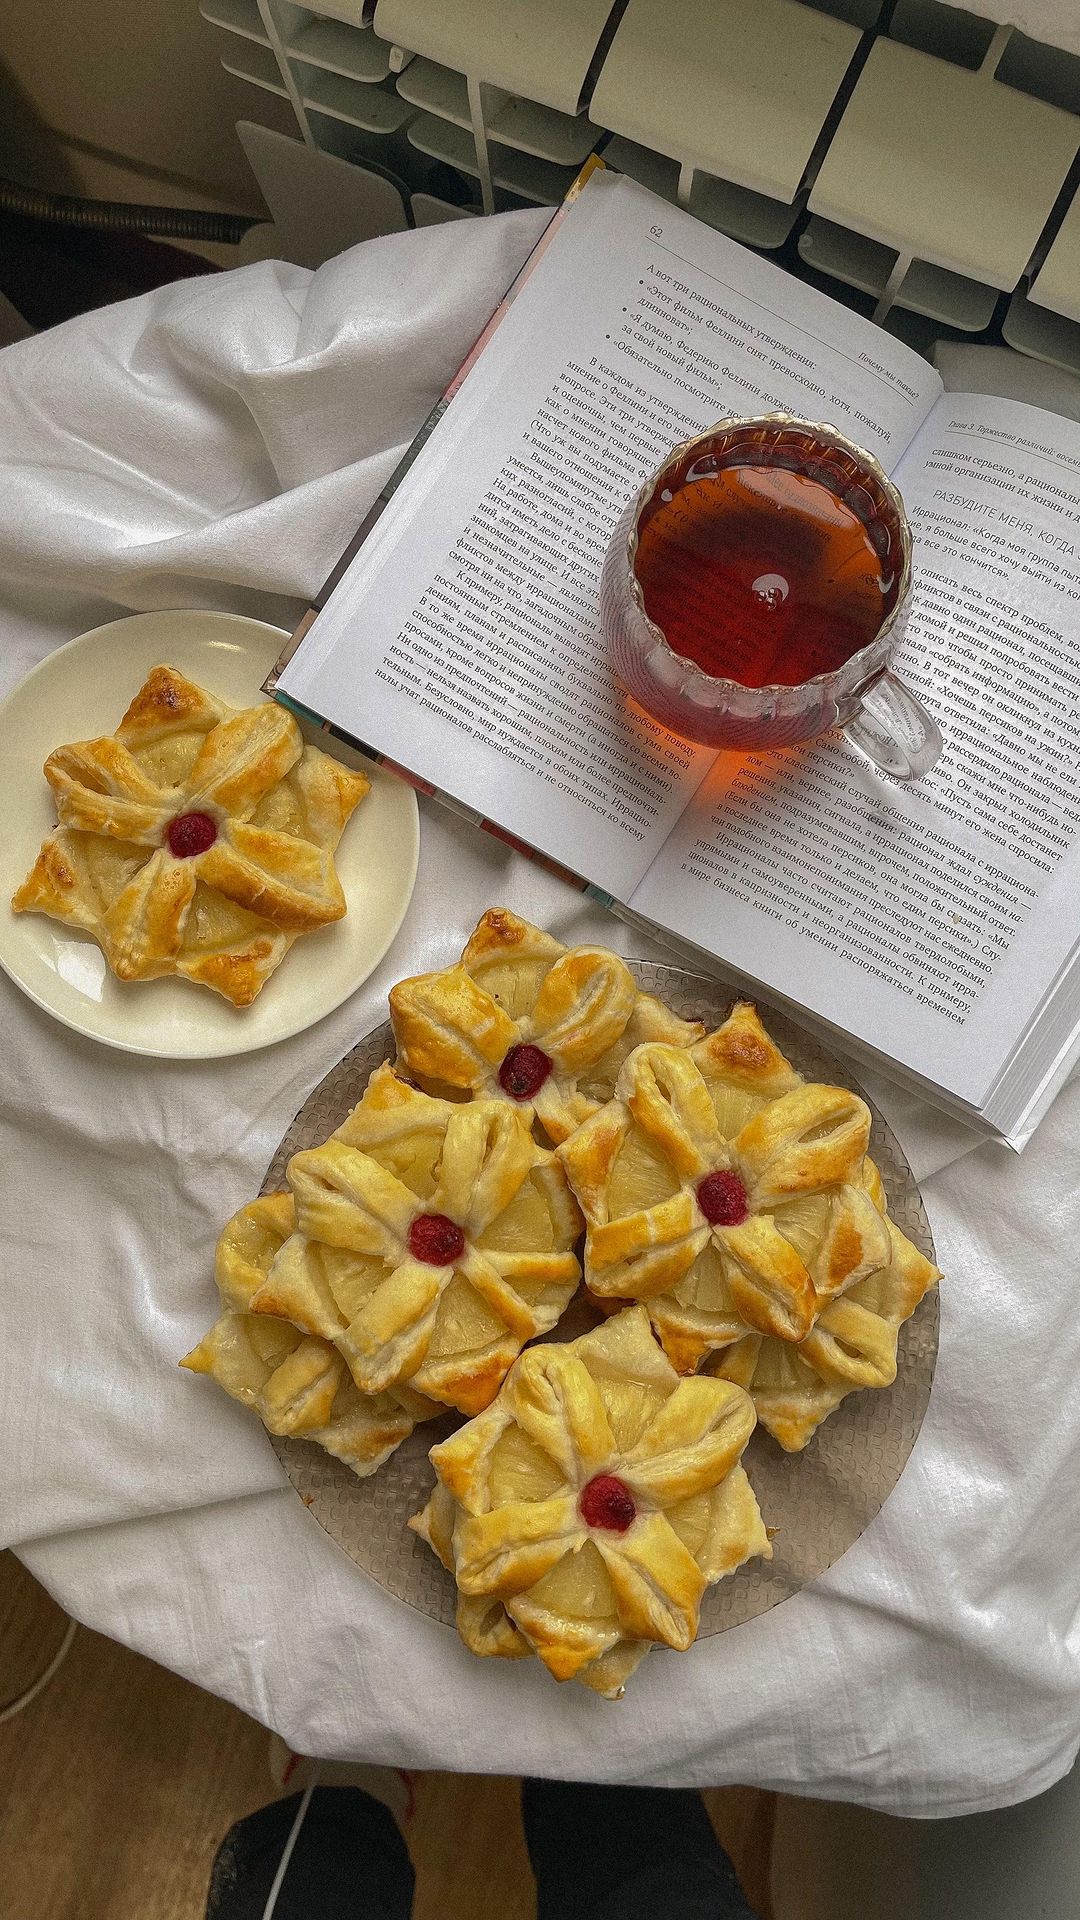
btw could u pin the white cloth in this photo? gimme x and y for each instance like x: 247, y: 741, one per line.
x: 215, y: 443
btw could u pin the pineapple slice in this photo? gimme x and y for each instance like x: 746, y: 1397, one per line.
x: 110, y: 864
x: 579, y: 1588
x: 803, y: 1222
x: 640, y: 1178
x: 733, y: 1106
x: 525, y: 1225
x: 520, y: 1470
x: 463, y: 1323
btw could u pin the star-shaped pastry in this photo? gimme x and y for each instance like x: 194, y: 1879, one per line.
x: 737, y: 1201
x: 524, y: 1019
x: 432, y: 1240
x: 586, y: 1511
x: 196, y: 841
x: 852, y: 1343
x: 297, y: 1384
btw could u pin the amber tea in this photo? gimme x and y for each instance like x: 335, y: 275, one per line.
x: 755, y: 590
x: 763, y: 574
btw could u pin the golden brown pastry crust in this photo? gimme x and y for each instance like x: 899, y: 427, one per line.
x: 224, y: 917
x: 296, y: 1383
x: 766, y: 1292
x: 516, y: 985
x: 507, y: 1515
x: 347, y: 1274
x: 852, y: 1344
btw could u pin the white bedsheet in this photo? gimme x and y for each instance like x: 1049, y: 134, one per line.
x: 214, y: 444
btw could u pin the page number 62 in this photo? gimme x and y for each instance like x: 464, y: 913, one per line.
x: 656, y: 231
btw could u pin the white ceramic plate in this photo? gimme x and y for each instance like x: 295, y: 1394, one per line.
x: 82, y: 691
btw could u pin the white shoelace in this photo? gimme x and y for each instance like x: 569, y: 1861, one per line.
x: 287, y: 1851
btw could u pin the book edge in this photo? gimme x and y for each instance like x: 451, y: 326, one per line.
x: 595, y: 163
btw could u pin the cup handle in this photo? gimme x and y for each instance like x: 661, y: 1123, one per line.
x: 894, y: 730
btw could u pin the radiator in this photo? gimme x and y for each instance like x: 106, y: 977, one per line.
x: 915, y: 158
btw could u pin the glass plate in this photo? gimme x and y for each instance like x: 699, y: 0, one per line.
x: 817, y: 1502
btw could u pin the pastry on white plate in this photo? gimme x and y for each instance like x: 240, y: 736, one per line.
x: 196, y: 841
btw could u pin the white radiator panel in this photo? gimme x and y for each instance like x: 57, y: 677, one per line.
x: 930, y: 166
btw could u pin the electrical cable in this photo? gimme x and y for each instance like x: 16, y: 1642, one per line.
x: 122, y: 216
x: 21, y: 1700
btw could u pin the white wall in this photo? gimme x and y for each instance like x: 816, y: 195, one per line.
x: 125, y: 99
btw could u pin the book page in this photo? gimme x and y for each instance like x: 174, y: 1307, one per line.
x: 464, y: 638
x: 930, y: 920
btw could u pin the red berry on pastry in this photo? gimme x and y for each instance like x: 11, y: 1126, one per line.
x: 435, y: 1238
x: 190, y: 833
x: 722, y: 1199
x: 607, y: 1502
x: 524, y: 1071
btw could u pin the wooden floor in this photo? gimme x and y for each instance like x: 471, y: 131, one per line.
x: 120, y: 1780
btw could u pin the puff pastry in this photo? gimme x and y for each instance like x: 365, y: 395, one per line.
x: 297, y: 1384
x: 432, y: 1241
x: 524, y: 1019
x: 195, y: 841
x: 852, y: 1343
x: 586, y: 1511
x: 737, y: 1201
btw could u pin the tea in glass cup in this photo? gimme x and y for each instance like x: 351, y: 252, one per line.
x: 755, y: 590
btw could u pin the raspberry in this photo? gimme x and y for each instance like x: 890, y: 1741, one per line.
x: 524, y: 1071
x: 436, y: 1239
x: 722, y: 1199
x: 606, y: 1502
x: 190, y: 833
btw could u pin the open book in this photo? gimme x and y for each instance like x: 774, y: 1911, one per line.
x: 934, y: 927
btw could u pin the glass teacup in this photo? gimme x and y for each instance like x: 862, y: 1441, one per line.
x: 855, y: 690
